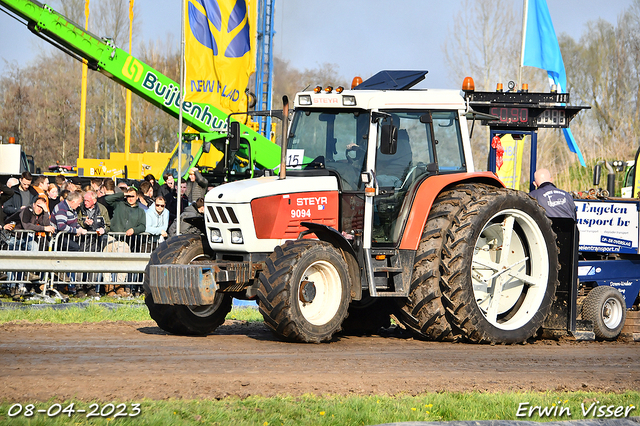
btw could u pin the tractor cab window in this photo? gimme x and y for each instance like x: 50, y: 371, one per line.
x: 332, y: 139
x: 414, y: 150
x: 448, y: 141
x: 397, y: 173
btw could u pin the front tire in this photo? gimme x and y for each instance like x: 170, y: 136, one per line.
x: 605, y: 307
x: 502, y: 269
x: 182, y: 319
x: 304, y: 292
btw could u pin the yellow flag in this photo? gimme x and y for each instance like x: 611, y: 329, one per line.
x: 219, y: 46
x: 511, y: 169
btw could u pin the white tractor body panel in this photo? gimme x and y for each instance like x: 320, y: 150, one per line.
x: 232, y: 202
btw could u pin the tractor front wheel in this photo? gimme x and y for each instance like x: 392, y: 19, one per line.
x: 304, y: 291
x: 182, y: 319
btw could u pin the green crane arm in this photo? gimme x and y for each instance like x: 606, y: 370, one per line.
x: 103, y: 56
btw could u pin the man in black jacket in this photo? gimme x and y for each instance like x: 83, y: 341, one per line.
x: 23, y: 195
x: 556, y: 202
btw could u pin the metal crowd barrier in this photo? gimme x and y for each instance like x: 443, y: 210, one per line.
x: 31, y: 258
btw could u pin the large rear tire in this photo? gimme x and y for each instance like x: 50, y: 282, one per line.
x: 182, y: 319
x: 604, y: 306
x: 423, y: 312
x: 501, y: 268
x: 304, y: 291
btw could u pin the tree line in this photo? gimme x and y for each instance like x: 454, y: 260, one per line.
x: 602, y: 69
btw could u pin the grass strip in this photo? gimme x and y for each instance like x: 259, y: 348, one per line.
x: 94, y: 312
x: 336, y: 410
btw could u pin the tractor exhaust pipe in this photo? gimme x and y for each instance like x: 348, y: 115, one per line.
x: 611, y: 176
x: 285, y: 132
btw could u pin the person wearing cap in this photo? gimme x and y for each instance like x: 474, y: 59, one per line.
x: 74, y: 184
x: 35, y: 217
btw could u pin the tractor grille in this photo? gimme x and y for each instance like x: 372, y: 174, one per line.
x: 220, y: 214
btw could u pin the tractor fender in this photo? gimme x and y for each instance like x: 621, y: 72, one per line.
x: 425, y: 195
x: 335, y: 238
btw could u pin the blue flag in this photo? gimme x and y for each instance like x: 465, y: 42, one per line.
x: 541, y: 50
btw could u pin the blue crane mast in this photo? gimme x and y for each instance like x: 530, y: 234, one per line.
x: 264, y: 63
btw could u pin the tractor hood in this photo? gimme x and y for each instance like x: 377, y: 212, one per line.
x: 244, y: 191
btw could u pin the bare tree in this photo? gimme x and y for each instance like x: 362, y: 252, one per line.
x: 483, y: 43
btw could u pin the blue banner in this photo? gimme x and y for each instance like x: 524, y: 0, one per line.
x: 541, y: 50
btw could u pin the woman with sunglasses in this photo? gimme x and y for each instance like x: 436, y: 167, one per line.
x: 158, y: 219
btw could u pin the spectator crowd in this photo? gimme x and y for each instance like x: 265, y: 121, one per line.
x: 79, y: 214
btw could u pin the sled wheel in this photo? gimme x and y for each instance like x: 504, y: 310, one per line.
x: 605, y: 307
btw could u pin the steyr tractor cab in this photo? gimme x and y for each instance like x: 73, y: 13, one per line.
x: 380, y: 210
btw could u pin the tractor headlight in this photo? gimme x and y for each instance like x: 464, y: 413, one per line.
x: 304, y: 100
x: 348, y: 100
x: 236, y: 236
x: 215, y: 235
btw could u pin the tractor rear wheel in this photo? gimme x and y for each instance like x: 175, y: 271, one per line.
x: 182, y: 319
x: 604, y: 306
x: 500, y: 269
x: 304, y: 291
x: 423, y: 312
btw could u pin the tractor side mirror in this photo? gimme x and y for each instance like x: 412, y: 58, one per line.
x: 206, y: 147
x: 388, y: 139
x: 234, y: 136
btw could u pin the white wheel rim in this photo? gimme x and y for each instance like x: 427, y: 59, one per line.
x: 510, y: 289
x: 611, y: 313
x: 326, y: 279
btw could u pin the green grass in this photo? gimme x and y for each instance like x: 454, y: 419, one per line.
x: 304, y: 410
x: 131, y: 311
x: 335, y: 410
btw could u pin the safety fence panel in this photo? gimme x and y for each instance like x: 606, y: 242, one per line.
x: 34, y: 258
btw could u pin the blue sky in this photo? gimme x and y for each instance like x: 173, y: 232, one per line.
x: 361, y: 36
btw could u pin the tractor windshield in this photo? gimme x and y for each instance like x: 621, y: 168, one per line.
x: 331, y: 139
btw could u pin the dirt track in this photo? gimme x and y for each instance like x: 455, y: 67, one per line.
x: 126, y: 360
